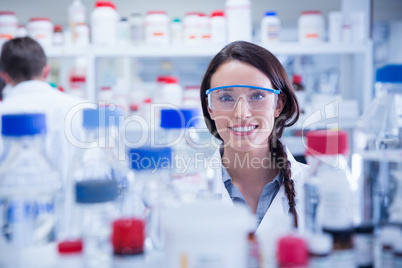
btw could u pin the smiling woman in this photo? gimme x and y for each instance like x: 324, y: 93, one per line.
x: 247, y: 102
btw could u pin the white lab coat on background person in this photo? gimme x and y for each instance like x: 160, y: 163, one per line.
x: 279, y: 206
x: 35, y: 96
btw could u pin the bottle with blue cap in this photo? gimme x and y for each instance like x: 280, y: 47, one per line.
x: 189, y: 174
x: 96, y: 200
x: 378, y: 150
x: 102, y: 157
x: 150, y: 193
x: 270, y: 28
x: 29, y: 192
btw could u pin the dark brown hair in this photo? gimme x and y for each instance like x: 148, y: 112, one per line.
x: 22, y: 59
x: 268, y: 64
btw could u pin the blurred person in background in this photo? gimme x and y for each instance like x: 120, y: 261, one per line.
x: 247, y: 102
x: 24, y: 69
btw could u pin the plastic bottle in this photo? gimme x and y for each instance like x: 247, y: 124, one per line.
x: 192, y: 28
x: 319, y: 249
x: 136, y: 28
x: 176, y: 32
x: 70, y: 254
x: 95, y: 199
x: 41, y: 29
x: 157, y: 28
x: 8, y: 26
x: 292, y: 252
x: 76, y: 15
x: 104, y: 20
x: 219, y: 31
x: 205, y: 28
x: 326, y: 154
x: 128, y: 242
x: 332, y: 189
x: 311, y: 27
x: 123, y: 32
x: 364, y: 245
x: 239, y: 21
x: 58, y: 36
x: 172, y: 92
x: 270, y: 28
x: 30, y: 190
x: 81, y: 35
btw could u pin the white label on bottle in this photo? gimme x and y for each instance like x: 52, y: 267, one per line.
x: 364, y: 249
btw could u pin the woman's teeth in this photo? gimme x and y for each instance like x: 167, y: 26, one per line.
x: 243, y: 129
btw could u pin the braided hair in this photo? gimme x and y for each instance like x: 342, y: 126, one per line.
x: 268, y: 64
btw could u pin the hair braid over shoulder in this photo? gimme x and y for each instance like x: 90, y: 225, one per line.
x: 278, y: 152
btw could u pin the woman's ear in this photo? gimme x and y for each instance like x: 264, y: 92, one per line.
x: 280, y: 104
x: 211, y: 113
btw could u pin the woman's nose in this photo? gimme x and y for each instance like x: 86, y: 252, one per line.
x: 241, y: 109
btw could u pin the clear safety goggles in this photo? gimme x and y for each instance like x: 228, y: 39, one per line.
x: 257, y: 98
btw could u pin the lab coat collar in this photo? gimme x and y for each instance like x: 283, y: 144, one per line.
x: 25, y: 87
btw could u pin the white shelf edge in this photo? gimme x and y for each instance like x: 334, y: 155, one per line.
x: 288, y: 48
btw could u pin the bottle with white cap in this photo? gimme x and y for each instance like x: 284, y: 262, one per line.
x: 238, y: 14
x: 76, y: 15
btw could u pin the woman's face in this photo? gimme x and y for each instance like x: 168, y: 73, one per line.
x: 243, y: 128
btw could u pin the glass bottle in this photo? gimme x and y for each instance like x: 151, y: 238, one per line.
x: 30, y: 190
x: 378, y: 150
x: 96, y: 203
x: 189, y: 175
x: 151, y: 168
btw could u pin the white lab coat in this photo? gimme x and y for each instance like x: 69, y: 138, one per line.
x: 39, y: 97
x: 279, y: 205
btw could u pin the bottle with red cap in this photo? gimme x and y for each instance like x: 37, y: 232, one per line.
x: 329, y: 192
x: 218, y: 27
x: 172, y: 92
x: 104, y: 20
x: 292, y: 252
x: 70, y: 254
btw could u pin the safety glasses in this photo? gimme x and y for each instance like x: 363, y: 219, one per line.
x: 257, y: 98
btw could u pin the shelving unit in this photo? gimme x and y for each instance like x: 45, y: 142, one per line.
x: 356, y: 59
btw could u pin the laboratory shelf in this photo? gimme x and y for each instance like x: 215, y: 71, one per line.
x: 283, y: 48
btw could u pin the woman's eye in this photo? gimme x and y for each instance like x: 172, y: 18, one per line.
x: 225, y: 98
x: 257, y: 96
